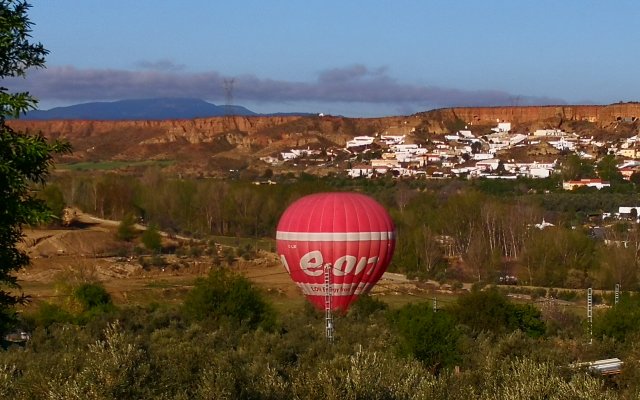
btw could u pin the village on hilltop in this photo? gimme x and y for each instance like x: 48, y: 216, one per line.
x: 395, y: 151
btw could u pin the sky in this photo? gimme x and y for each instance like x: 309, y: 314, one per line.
x: 359, y: 58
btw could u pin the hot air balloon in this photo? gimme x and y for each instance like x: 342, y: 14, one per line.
x: 335, y: 242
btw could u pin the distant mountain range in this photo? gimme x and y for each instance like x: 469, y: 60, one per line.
x: 143, y: 109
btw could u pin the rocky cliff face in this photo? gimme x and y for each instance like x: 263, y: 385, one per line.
x: 600, y: 115
x: 204, y: 129
x: 198, y: 140
x: 193, y: 131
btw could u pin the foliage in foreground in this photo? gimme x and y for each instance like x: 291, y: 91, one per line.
x: 211, y: 347
x: 175, y: 360
x: 24, y: 159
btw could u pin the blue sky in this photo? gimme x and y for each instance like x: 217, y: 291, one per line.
x: 355, y: 58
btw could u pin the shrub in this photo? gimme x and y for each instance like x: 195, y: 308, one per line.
x: 228, y: 296
x: 430, y: 336
x: 48, y: 314
x: 92, y: 295
x: 490, y: 311
x: 621, y: 321
x: 126, y: 230
x: 365, y: 306
x: 151, y: 239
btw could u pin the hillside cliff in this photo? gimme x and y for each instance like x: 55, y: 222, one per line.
x: 600, y: 115
x: 245, y: 137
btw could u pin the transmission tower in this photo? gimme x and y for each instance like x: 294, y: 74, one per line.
x: 228, y: 94
x: 229, y: 121
x: 590, y: 313
x: 328, y: 316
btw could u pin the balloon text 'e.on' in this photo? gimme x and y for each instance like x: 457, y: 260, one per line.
x: 350, y: 233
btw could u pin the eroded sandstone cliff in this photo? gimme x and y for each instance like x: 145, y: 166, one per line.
x: 244, y: 137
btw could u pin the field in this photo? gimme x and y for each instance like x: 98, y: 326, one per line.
x: 86, y: 252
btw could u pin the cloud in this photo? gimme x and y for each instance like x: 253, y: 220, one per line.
x: 165, y: 65
x: 352, y: 84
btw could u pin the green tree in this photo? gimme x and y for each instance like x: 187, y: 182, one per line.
x: 635, y: 178
x: 608, y: 170
x: 429, y: 336
x: 620, y: 322
x: 24, y: 159
x: 574, y: 167
x: 92, y: 295
x: 151, y: 238
x: 365, y: 306
x: 54, y: 199
x: 490, y: 311
x: 225, y: 295
x: 94, y: 299
x: 126, y: 228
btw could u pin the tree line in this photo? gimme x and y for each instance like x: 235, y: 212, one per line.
x: 447, y: 230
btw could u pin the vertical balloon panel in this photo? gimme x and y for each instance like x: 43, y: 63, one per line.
x: 349, y: 231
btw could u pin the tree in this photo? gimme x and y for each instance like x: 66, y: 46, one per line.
x: 365, y: 306
x: 224, y: 295
x: 92, y: 295
x: 620, y: 322
x: 126, y: 228
x: 608, y: 170
x: 573, y: 167
x: 429, y: 336
x: 635, y: 178
x: 490, y: 311
x: 151, y: 238
x: 24, y: 159
x: 53, y: 197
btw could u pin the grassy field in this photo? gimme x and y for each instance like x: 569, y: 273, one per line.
x: 111, y: 165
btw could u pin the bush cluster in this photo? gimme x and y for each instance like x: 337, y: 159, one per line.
x: 226, y: 342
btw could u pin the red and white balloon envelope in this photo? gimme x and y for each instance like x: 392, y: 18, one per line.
x: 350, y: 231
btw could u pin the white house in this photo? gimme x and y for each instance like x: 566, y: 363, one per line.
x: 404, y: 147
x: 366, y: 171
x: 596, y: 183
x: 488, y: 165
x: 539, y: 172
x: 482, y: 156
x: 515, y: 139
x: 563, y: 144
x: 385, y: 163
x: 392, y: 139
x: 270, y: 160
x: 289, y: 155
x: 627, y: 210
x: 360, y: 141
x: 548, y: 132
x: 502, y: 127
x: 466, y: 134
